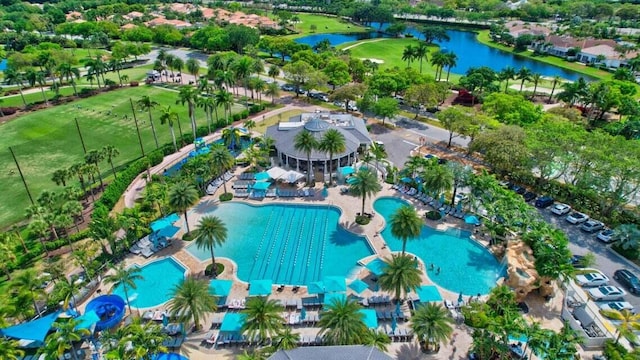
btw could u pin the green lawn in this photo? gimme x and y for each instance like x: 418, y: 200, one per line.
x: 47, y: 140
x: 324, y: 24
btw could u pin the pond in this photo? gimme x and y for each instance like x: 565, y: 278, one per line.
x: 470, y: 52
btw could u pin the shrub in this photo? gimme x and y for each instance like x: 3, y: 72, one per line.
x: 236, y: 117
x: 9, y: 110
x: 362, y: 220
x: 189, y: 236
x: 631, y: 254
x: 433, y: 215
x: 226, y: 197
x: 219, y: 269
x: 86, y: 92
x: 134, y: 83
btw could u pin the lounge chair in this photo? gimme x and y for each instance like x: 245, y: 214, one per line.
x: 147, y: 252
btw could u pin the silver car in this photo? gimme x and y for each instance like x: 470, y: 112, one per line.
x: 607, y: 293
x: 577, y: 218
x: 617, y: 306
x: 560, y: 209
x: 606, y: 235
x: 591, y: 226
x: 594, y: 278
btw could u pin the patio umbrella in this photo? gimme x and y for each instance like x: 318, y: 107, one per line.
x: 328, y: 298
x: 276, y: 172
x: 394, y: 324
x: 376, y: 266
x: 260, y: 287
x: 406, y: 179
x: 165, y: 320
x: 169, y: 356
x: 460, y: 300
x: 293, y: 176
x: 316, y: 288
x: 442, y: 198
x: 168, y: 231
x: 325, y: 192
x: 352, y: 180
x: 370, y: 318
x: 262, y: 185
x: 262, y: 176
x: 459, y: 206
x: 220, y: 287
x: 232, y: 322
x: 335, y: 284
x: 358, y: 286
x: 303, y: 313
x: 347, y: 170
x: 472, y: 219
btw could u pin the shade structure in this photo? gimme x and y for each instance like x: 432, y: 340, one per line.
x: 168, y: 231
x: 316, y: 288
x: 35, y: 330
x: 406, y: 180
x: 347, y: 170
x: 87, y: 320
x: 472, y: 219
x: 292, y: 176
x: 260, y: 287
x: 164, y: 222
x: 232, y: 322
x: 358, y: 286
x: 262, y: 185
x: 370, y: 318
x: 331, y: 297
x: 276, y: 172
x: 335, y: 284
x: 169, y: 356
x: 352, y: 180
x: 376, y: 266
x: 429, y: 293
x: 262, y: 176
x: 220, y: 287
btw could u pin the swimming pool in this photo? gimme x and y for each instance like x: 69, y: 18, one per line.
x: 289, y: 244
x: 466, y: 266
x: 158, y: 280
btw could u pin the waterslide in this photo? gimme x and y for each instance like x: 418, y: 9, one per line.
x: 109, y: 308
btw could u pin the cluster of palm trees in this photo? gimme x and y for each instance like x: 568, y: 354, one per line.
x: 86, y: 171
x: 441, y: 59
x: 412, y: 53
x: 332, y: 142
x: 524, y: 74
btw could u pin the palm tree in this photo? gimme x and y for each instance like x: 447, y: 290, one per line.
x: 126, y: 277
x: 211, y: 232
x: 189, y: 94
x: 285, y: 340
x: 342, y: 323
x: 333, y: 142
x: 507, y: 74
x: 32, y: 76
x: 535, y: 77
x: 406, y: 224
x: 437, y: 178
x: 262, y: 319
x: 451, y: 61
x: 9, y: 349
x: 273, y: 72
x: 305, y: 141
x: 556, y: 81
x: 110, y: 152
x: 169, y: 117
x: 136, y: 341
x: 432, y: 324
x: 400, y: 275
x: 365, y: 184
x: 94, y: 157
x: 193, y: 67
x: 273, y: 90
x: 628, y: 322
x: 96, y: 67
x: 7, y: 254
x: 12, y: 77
x: 439, y: 59
x: 242, y: 69
x: 524, y: 74
x: 28, y: 282
x: 409, y: 54
x: 421, y: 53
x: 191, y: 300
x: 61, y: 341
x: 178, y: 64
x: 146, y: 104
x: 69, y: 72
x: 60, y: 177
x: 221, y: 160
x: 208, y: 104
x: 181, y: 197
x: 225, y: 99
x: 377, y: 339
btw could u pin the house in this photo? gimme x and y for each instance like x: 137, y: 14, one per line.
x: 519, y: 28
x: 605, y: 54
x: 161, y: 20
x: 133, y: 15
x: 560, y: 45
x: 74, y: 15
x: 128, y: 26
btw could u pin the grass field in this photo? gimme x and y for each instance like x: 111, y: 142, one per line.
x: 324, y: 24
x: 47, y: 140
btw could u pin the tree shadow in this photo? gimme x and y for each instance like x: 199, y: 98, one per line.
x: 407, y: 123
x: 206, y: 206
x: 409, y: 351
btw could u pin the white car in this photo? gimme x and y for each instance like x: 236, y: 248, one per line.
x: 577, y: 218
x: 606, y: 235
x: 592, y: 226
x: 617, y: 305
x: 607, y: 293
x: 560, y: 209
x: 593, y: 278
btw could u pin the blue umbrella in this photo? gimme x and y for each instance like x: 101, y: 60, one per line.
x: 335, y: 284
x: 165, y: 320
x: 303, y: 313
x: 398, y: 312
x: 260, y: 287
x: 442, y: 198
x: 459, y: 206
x: 460, y: 299
x: 261, y: 176
x: 358, y: 286
x: 406, y: 179
x: 472, y: 219
x: 347, y: 170
x: 325, y: 192
x: 316, y: 288
x: 394, y: 324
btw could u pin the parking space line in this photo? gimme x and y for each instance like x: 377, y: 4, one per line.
x: 410, y: 143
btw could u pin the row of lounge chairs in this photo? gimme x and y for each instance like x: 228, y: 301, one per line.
x: 146, y: 247
x: 215, y: 184
x: 428, y: 200
x: 389, y: 314
x: 247, y: 176
x: 374, y: 301
x: 242, y: 184
x: 291, y: 303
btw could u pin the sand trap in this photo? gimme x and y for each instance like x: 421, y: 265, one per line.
x: 374, y: 60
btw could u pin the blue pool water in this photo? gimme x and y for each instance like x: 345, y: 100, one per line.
x: 157, y: 283
x: 466, y: 266
x: 289, y: 244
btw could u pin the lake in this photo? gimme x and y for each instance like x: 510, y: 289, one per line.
x: 470, y: 52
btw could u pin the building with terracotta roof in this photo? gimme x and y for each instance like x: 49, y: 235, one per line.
x: 73, y: 15
x: 161, y: 20
x: 128, y: 26
x: 560, y: 45
x: 605, y: 54
x: 519, y: 28
x: 133, y: 15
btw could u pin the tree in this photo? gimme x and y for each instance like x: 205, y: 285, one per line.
x: 37, y: 77
x: 169, y: 117
x: 231, y: 137
x: 439, y: 59
x: 212, y: 232
x: 434, y: 33
x: 386, y: 107
x: 60, y: 177
x: 94, y: 157
x: 189, y: 94
x: 273, y: 72
x: 262, y: 319
x: 137, y: 341
x: 221, y: 160
x: 432, y: 324
x: 333, y: 142
x: 285, y: 340
x: 365, y: 184
x: 437, y: 178
x: 427, y: 95
x: 298, y: 73
x: 12, y: 77
x: 454, y: 119
x: 208, y: 103
x: 451, y: 62
x: 461, y: 175
x: 347, y: 94
x: 193, y: 67
x: 524, y: 74
x: 181, y: 197
x: 110, y: 152
x: 61, y: 341
x: 7, y: 254
x: 338, y: 73
x: 508, y: 73
x: 273, y: 90
x: 406, y: 224
x: 628, y: 236
x: 628, y: 322
x: 305, y: 141
x: 409, y: 54
x: 421, y: 53
x: 191, y: 300
x: 69, y: 72
x: 400, y: 275
x: 146, y: 104
x: 556, y: 81
x: 225, y: 99
x: 10, y: 350
x: 342, y: 323
x: 512, y: 109
x: 126, y: 277
x: 535, y: 77
x: 27, y: 282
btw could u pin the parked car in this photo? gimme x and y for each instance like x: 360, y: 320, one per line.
x: 592, y: 278
x: 577, y: 218
x: 607, y: 293
x: 319, y: 96
x: 606, y: 236
x: 352, y: 107
x: 576, y: 261
x: 560, y: 209
x: 517, y: 189
x: 627, y: 279
x: 288, y: 87
x: 592, y: 226
x: 617, y: 305
x: 338, y: 104
x: 544, y: 202
x: 528, y: 196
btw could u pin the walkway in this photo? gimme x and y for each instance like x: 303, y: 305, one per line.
x: 362, y: 42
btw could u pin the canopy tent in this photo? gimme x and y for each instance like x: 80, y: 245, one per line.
x: 35, y: 330
x: 347, y: 170
x: 220, y: 287
x: 429, y: 293
x: 169, y: 356
x: 164, y: 222
x: 292, y: 176
x: 316, y: 288
x: 335, y: 284
x: 232, y: 322
x: 276, y: 172
x: 262, y: 176
x: 329, y: 298
x: 377, y: 266
x: 472, y: 219
x: 358, y: 286
x: 370, y: 318
x: 168, y: 232
x: 260, y: 287
x: 262, y: 185
x: 352, y: 180
x: 88, y: 320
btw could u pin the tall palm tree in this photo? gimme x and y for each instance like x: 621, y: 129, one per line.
x: 208, y: 104
x: 439, y: 59
x: 110, y: 152
x: 211, y: 232
x: 189, y: 94
x: 32, y: 76
x: 263, y: 318
x: 225, y: 99
x: 432, y: 324
x: 191, y: 300
x: 242, y: 69
x: 305, y: 141
x: 273, y: 90
x: 221, y: 160
x: 628, y: 322
x: 409, y: 54
x: 96, y: 67
x: 60, y: 177
x: 508, y: 73
x: 146, y: 104
x: 126, y: 277
x: 285, y: 340
x: 437, y: 178
x: 400, y: 275
x: 365, y: 184
x: 193, y: 67
x: 61, y: 341
x: 556, y: 81
x: 421, y: 53
x: 535, y: 77
x: 169, y: 117
x: 9, y: 349
x: 13, y: 77
x: 452, y: 61
x: 181, y: 197
x: 231, y: 137
x: 69, y: 72
x: 7, y: 254
x: 406, y: 224
x: 178, y: 64
x: 94, y: 157
x: 333, y: 142
x: 342, y: 323
x: 524, y: 74
x: 28, y: 282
